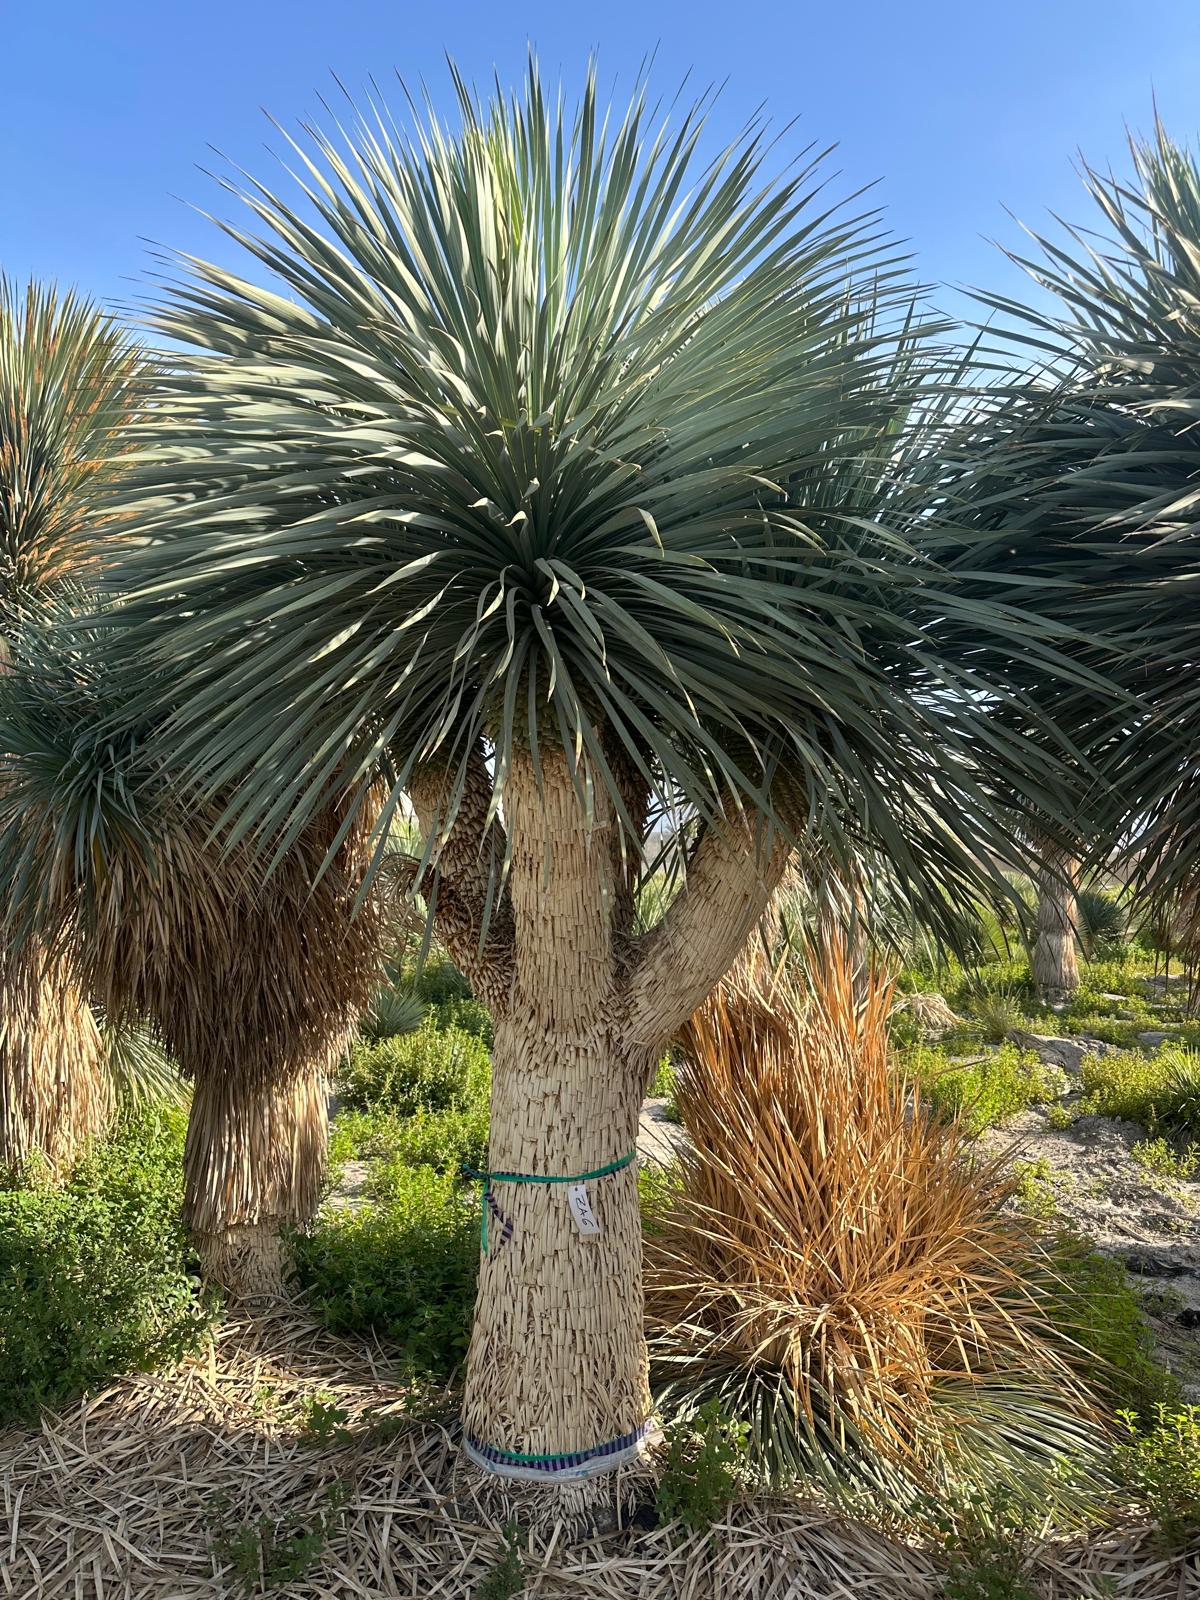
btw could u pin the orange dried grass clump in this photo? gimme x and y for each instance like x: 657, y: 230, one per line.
x: 830, y: 1238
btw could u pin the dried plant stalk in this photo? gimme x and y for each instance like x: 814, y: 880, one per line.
x: 54, y: 1092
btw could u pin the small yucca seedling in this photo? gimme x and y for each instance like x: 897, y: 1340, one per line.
x: 839, y: 1269
x: 393, y: 1012
x: 1102, y: 922
x: 996, y: 1011
x: 1180, y: 1110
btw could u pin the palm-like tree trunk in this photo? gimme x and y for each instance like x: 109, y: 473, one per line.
x: 558, y: 1362
x: 557, y: 1373
x: 1054, y: 965
x: 254, y: 985
x: 254, y: 1164
x: 54, y: 1093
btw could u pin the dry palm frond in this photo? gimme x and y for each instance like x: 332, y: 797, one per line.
x: 833, y: 1258
x: 70, y: 383
x: 252, y: 981
x: 255, y: 988
x: 140, y: 1490
x: 930, y: 1012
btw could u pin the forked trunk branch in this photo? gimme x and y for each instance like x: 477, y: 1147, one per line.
x: 730, y: 881
x: 473, y: 916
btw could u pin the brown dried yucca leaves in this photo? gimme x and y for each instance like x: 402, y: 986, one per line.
x: 834, y: 1248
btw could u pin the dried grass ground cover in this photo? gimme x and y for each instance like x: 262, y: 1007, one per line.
x: 125, y: 1496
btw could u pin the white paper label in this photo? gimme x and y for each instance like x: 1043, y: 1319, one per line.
x: 581, y: 1209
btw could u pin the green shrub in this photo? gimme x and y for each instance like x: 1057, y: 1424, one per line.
x: 321, y: 1422
x: 472, y: 1016
x: 1035, y: 1188
x: 96, y: 1276
x: 444, y: 1140
x: 1162, y: 1160
x: 1121, y: 1031
x: 506, y: 1576
x: 905, y: 1030
x: 1087, y: 1296
x: 983, y: 1093
x: 268, y: 1552
x: 1059, y: 1116
x: 704, y: 1467
x: 989, y: 1546
x: 433, y: 1069
x: 360, y: 1136
x: 404, y: 1268
x: 436, y: 980
x: 1162, y: 1467
x: 662, y: 1087
x: 1160, y: 1092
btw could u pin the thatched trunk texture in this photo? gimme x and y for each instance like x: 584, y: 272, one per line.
x: 54, y: 1092
x: 253, y: 1167
x: 255, y: 985
x: 556, y: 1383
x: 557, y: 1363
x: 1054, y: 965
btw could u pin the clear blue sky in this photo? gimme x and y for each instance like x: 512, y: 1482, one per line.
x: 958, y: 107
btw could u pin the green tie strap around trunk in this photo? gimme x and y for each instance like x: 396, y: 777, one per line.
x: 489, y: 1178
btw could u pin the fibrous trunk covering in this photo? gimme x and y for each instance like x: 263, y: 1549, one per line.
x: 557, y: 1374
x: 254, y: 1162
x: 54, y: 1092
x: 255, y: 986
x: 1054, y: 965
x: 557, y: 1363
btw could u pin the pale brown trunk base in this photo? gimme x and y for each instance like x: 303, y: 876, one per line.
x: 585, y: 1509
x: 248, y: 1261
x: 557, y: 1363
x: 55, y: 1096
x: 253, y: 1166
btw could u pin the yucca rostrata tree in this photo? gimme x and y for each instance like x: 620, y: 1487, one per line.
x: 69, y: 381
x: 253, y: 989
x: 537, y: 485
x: 1080, y: 472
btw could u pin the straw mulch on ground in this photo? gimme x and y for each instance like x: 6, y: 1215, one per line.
x: 143, y: 1491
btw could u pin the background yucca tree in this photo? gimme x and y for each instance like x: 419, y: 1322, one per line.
x: 69, y: 384
x: 254, y: 991
x: 544, y: 483
x: 1080, y: 471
